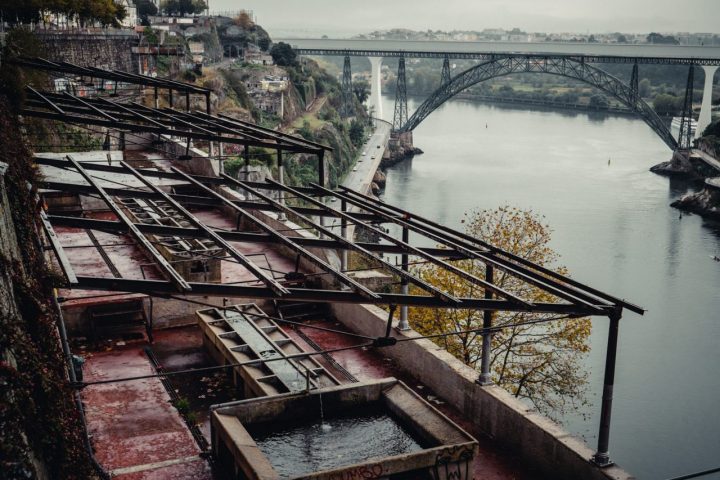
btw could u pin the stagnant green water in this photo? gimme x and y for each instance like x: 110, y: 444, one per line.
x: 588, y: 175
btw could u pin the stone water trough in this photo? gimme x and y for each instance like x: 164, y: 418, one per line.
x: 378, y: 429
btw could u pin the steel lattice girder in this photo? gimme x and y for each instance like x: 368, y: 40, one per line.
x: 488, y: 56
x: 566, y: 67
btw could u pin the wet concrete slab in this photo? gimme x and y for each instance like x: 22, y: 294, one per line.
x: 133, y: 425
x: 182, y: 349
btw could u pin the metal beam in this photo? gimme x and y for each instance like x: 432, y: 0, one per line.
x: 346, y: 89
x: 135, y: 118
x: 400, y: 115
x: 497, y: 252
x: 409, y: 249
x: 353, y: 246
x: 288, y: 242
x: 113, y: 226
x: 161, y: 288
x: 114, y: 75
x: 485, y: 56
x: 209, y: 233
x: 193, y: 199
x: 64, y: 262
x: 163, y: 264
x: 548, y: 285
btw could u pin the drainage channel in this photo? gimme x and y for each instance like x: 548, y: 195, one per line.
x: 194, y: 430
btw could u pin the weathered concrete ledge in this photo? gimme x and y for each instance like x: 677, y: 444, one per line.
x: 494, y: 413
x: 706, y: 202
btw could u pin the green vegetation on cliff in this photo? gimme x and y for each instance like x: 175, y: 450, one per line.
x: 42, y: 433
x: 312, y: 102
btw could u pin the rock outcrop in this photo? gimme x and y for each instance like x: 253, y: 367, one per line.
x: 679, y: 165
x: 706, y: 202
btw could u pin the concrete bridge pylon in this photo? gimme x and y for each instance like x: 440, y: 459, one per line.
x: 375, y: 85
x: 706, y: 108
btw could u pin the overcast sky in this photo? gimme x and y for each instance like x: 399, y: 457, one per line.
x: 349, y: 17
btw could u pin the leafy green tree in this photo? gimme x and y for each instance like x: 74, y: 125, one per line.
x: 145, y: 8
x: 712, y: 129
x: 356, y: 133
x: 659, y: 38
x: 283, y: 55
x: 183, y: 7
x: 361, y: 89
x: 306, y: 131
x: 598, y: 101
x: 644, y: 87
x: 665, y: 104
x: 264, y: 43
x: 540, y: 362
x: 19, y: 41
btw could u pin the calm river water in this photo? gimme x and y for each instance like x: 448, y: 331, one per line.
x: 614, y: 230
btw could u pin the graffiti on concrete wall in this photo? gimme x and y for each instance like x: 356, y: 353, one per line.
x: 454, y: 463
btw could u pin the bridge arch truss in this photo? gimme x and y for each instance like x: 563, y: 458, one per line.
x: 565, y: 67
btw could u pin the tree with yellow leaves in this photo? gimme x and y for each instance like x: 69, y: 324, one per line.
x: 539, y: 362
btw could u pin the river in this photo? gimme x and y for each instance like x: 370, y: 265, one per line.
x: 614, y: 230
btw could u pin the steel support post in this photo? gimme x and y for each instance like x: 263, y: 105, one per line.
x: 246, y: 157
x: 404, y: 325
x: 187, y: 101
x: 281, y: 178
x: 602, y: 456
x: 207, y: 103
x: 685, y: 135
x: 485, y: 378
x: 170, y: 97
x: 321, y: 168
x: 445, y: 74
x: 634, y: 83
x: 221, y: 149
x: 346, y: 89
x: 344, y: 234
x: 157, y: 100
x: 400, y: 116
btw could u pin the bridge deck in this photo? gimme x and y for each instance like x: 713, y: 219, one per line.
x: 591, y: 52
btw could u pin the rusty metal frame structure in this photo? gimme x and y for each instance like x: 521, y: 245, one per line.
x: 116, y: 76
x: 574, y: 298
x: 137, y: 118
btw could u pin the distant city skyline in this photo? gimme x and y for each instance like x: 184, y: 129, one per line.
x: 347, y: 17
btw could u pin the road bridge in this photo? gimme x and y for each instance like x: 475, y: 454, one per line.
x: 571, y: 60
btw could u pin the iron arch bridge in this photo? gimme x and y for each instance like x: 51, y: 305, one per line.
x: 566, y: 67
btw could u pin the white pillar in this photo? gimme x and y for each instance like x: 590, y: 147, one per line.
x: 375, y: 92
x: 706, y: 108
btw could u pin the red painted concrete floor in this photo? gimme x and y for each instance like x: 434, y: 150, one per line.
x: 135, y: 430
x: 135, y: 426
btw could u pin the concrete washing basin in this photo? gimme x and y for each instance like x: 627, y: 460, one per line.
x: 378, y: 429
